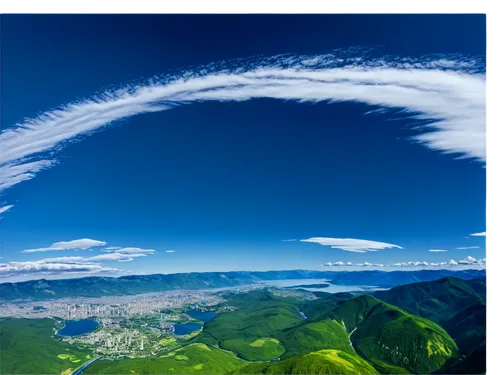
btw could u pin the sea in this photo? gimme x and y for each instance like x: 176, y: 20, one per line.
x: 331, y: 288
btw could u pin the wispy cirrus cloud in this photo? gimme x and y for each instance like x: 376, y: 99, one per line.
x: 467, y: 247
x: 81, y: 244
x: 351, y: 244
x: 438, y: 250
x: 446, y: 93
x: 480, y: 234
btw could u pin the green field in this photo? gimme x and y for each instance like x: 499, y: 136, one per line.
x: 29, y: 346
x: 191, y: 359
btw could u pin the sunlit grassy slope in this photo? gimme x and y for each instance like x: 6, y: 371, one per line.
x: 320, y: 362
x: 191, y: 359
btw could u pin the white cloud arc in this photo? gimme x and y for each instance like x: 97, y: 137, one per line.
x: 447, y: 94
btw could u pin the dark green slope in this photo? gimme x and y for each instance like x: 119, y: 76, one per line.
x: 28, y: 346
x: 381, y: 332
x: 320, y: 362
x: 321, y: 308
x: 436, y: 300
x: 474, y: 363
x: 310, y: 337
x: 458, y: 305
x: 468, y: 328
x: 253, y: 330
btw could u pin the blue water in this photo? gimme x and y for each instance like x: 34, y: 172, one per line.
x: 204, y: 316
x: 186, y: 328
x: 78, y: 327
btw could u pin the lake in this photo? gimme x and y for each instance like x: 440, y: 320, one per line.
x: 303, y: 284
x: 182, y: 329
x: 81, y: 327
x: 204, y: 316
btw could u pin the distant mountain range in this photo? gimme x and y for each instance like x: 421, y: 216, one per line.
x: 130, y: 285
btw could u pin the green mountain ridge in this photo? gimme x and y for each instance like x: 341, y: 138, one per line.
x: 436, y: 300
x: 384, y: 332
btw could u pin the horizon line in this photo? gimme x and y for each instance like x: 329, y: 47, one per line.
x: 405, y: 269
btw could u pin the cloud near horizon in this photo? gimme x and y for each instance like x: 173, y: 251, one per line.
x: 445, y: 94
x: 81, y: 244
x: 74, y: 264
x: 468, y: 261
x: 351, y: 244
x: 51, y: 266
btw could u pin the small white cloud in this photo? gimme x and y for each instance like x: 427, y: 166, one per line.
x: 471, y: 260
x: 81, y: 244
x: 467, y: 247
x: 5, y: 208
x: 125, y: 254
x: 290, y: 240
x: 480, y: 234
x: 63, y: 260
x: 134, y: 250
x: 170, y: 251
x: 437, y: 251
x: 351, y: 244
x: 333, y: 264
x: 112, y: 248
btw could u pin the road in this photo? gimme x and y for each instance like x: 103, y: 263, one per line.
x: 82, y: 368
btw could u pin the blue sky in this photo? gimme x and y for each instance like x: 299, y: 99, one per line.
x: 225, y: 164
